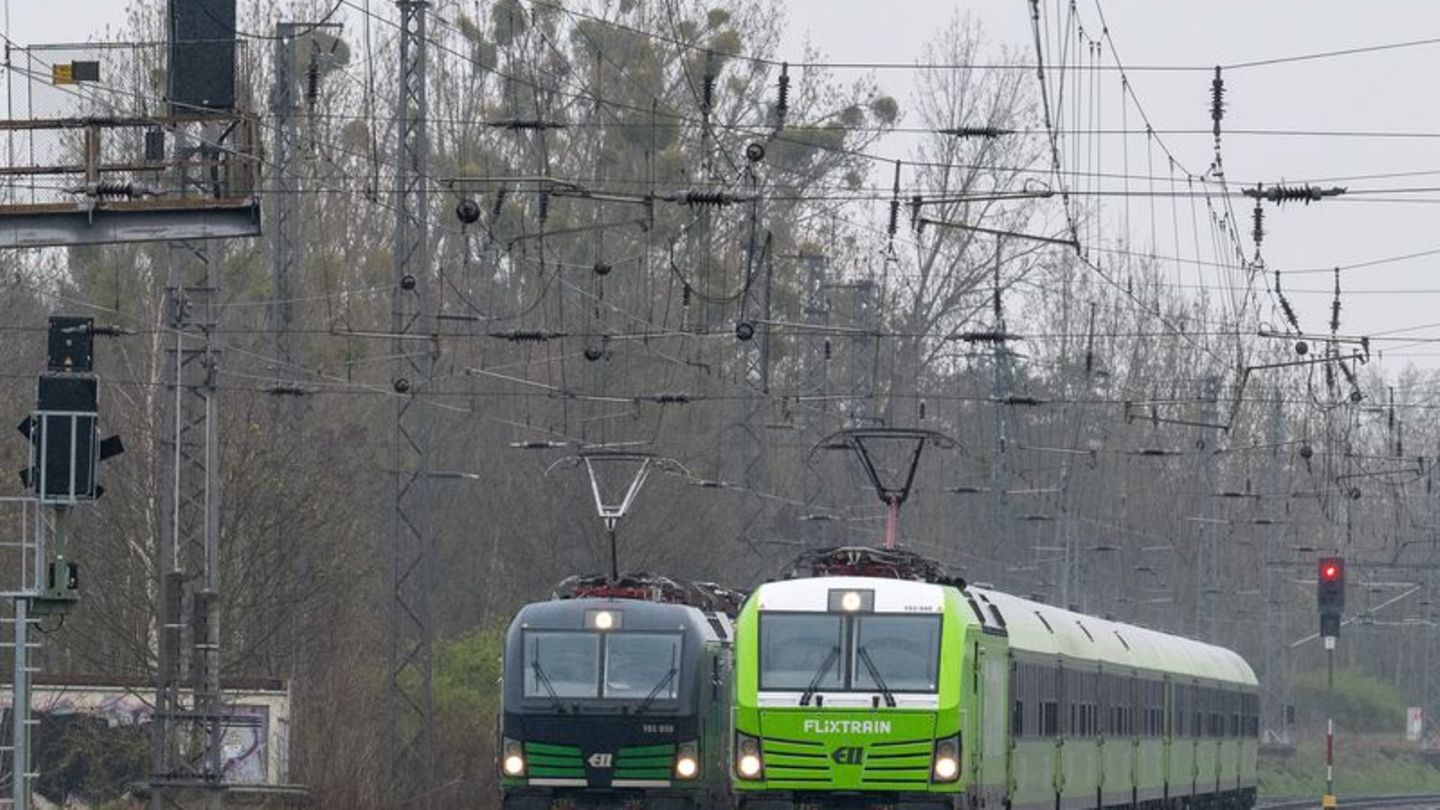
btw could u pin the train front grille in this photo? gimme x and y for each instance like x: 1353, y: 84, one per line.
x: 899, y: 765
x: 647, y: 763
x: 796, y: 763
x: 547, y: 761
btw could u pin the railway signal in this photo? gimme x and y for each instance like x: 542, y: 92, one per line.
x: 1330, y: 593
x: 1330, y: 598
x: 66, y: 448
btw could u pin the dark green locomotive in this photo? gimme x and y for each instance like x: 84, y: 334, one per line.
x: 615, y: 702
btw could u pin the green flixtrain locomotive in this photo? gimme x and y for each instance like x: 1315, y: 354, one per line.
x: 893, y: 687
x: 618, y: 696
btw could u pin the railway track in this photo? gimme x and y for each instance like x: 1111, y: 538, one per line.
x: 1355, y: 802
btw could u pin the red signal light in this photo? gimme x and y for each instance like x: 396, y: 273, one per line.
x: 1330, y: 572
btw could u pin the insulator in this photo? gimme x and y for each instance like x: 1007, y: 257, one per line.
x: 915, y: 222
x: 499, y: 202
x: 1217, y: 101
x: 1283, y: 194
x: 1257, y: 230
x: 544, y: 207
x: 1335, y: 306
x: 312, y: 82
x: 671, y: 399
x: 829, y: 352
x: 976, y: 132
x: 515, y: 124
x: 707, y: 89
x: 1285, y: 305
x: 782, y: 96
x: 114, y: 189
x: 895, y: 203
x: 523, y: 336
x: 922, y: 409
x: 989, y: 336
x: 695, y: 197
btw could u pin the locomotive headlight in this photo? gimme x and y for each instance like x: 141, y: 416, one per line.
x: 748, y: 764
x: 850, y: 600
x: 513, y: 760
x: 603, y: 620
x: 687, y: 761
x: 946, y: 767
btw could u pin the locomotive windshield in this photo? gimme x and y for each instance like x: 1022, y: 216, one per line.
x: 903, y: 651
x: 644, y: 666
x: 617, y: 665
x: 562, y: 665
x: 862, y: 653
x: 797, y: 649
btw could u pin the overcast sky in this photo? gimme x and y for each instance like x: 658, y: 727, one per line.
x: 1389, y: 91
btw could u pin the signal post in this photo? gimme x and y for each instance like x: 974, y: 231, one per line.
x: 1330, y: 598
x: 65, y: 453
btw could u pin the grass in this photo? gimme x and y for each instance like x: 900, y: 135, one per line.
x: 1365, y: 765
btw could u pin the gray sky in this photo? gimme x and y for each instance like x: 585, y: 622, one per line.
x: 1390, y: 91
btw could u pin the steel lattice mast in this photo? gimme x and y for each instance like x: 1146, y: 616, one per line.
x: 187, y: 760
x: 755, y: 353
x: 411, y: 710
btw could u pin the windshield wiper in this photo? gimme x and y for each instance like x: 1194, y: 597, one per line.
x: 819, y: 676
x: 654, y: 693
x: 875, y: 673
x: 549, y: 687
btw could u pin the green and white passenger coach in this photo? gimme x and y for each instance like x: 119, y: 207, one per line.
x: 865, y: 691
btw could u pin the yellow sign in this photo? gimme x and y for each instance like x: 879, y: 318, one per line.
x: 63, y: 74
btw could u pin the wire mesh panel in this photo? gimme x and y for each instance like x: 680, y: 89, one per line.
x: 24, y: 530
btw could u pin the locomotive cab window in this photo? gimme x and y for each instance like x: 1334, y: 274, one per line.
x: 903, y: 651
x: 860, y: 653
x: 797, y: 649
x: 642, y: 665
x: 564, y: 665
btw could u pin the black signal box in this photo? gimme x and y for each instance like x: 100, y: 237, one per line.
x: 71, y: 344
x: 1330, y: 594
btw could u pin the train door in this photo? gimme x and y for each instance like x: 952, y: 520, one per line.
x: 1170, y: 717
x: 1061, y: 729
x: 995, y: 702
x: 1133, y: 721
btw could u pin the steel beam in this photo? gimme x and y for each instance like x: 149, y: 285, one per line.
x: 74, y: 225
